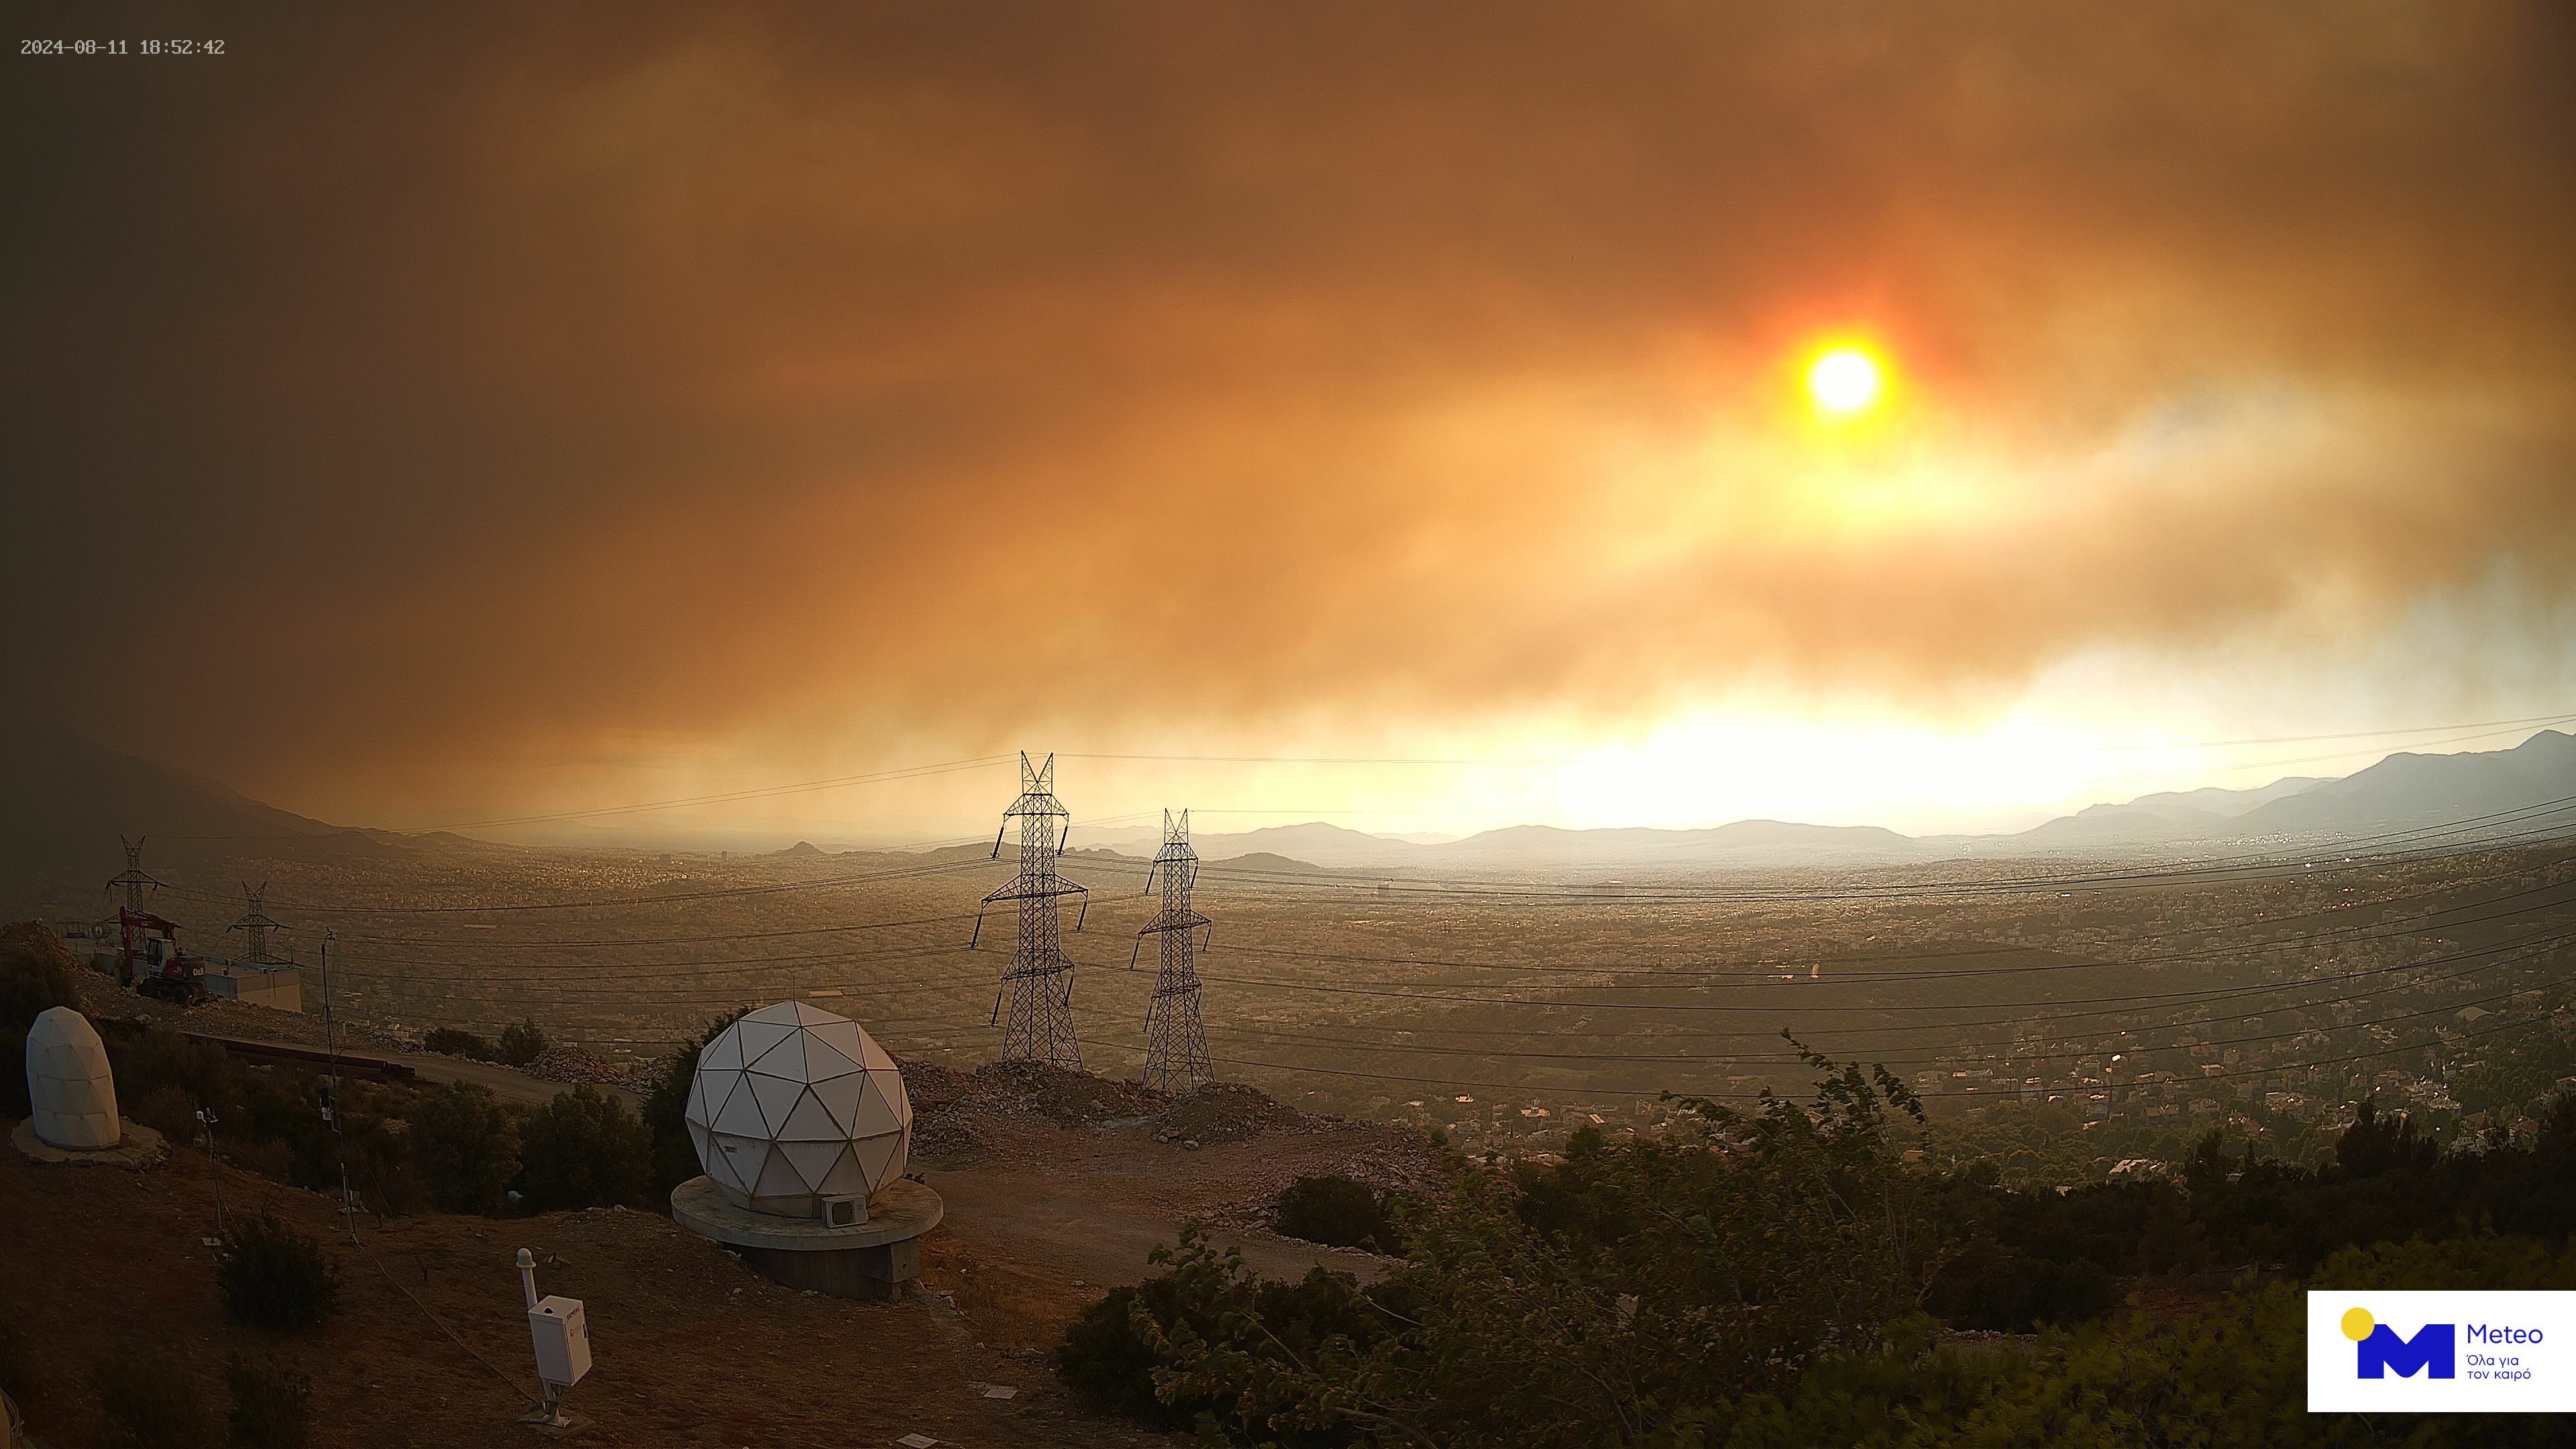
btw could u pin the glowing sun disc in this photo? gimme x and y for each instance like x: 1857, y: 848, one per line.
x: 1843, y: 380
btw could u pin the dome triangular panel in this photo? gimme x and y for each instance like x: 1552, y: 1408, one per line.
x: 809, y: 1122
x: 724, y: 1054
x: 824, y: 1060
x: 776, y: 1095
x: 876, y: 1116
x: 840, y: 1097
x: 814, y: 1161
x: 739, y: 1114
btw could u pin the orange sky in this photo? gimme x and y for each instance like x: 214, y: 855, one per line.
x: 459, y: 413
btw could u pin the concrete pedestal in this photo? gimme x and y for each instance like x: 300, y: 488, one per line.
x: 870, y: 1260
x: 137, y: 1146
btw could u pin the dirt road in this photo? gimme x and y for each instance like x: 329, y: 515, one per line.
x: 508, y: 1083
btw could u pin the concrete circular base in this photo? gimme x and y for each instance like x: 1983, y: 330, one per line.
x: 868, y: 1260
x: 141, y: 1147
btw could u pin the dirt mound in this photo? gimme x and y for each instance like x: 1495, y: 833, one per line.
x: 940, y: 1142
x: 1057, y: 1094
x: 31, y: 944
x: 930, y: 1086
x: 565, y: 1062
x: 1223, y: 1112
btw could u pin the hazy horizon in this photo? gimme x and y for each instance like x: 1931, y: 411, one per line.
x: 770, y: 394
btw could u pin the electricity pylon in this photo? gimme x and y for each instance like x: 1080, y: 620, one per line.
x: 134, y: 880
x: 257, y: 925
x: 1176, y: 1052
x: 1039, y: 980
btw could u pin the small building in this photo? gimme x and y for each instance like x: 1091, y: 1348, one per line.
x: 277, y: 987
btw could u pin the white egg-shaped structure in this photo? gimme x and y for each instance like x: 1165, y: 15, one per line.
x: 69, y: 1086
x: 792, y: 1105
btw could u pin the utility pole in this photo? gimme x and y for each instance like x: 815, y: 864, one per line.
x: 256, y: 924
x: 1039, y: 980
x: 331, y: 1091
x: 1176, y: 1052
x: 134, y: 879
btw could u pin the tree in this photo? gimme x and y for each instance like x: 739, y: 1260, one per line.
x: 1337, y: 1211
x: 453, y: 1042
x: 584, y: 1149
x: 521, y: 1044
x: 466, y: 1146
x: 1651, y: 1283
x: 2375, y: 1144
x: 675, y: 1158
x: 35, y: 976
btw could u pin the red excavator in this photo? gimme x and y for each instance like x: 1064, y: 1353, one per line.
x: 149, y: 959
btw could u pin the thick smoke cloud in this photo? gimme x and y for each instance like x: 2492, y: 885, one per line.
x: 466, y: 389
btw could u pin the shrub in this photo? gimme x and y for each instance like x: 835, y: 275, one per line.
x: 169, y: 1111
x: 13, y: 1081
x: 272, y: 1404
x: 266, y: 1156
x: 1340, y: 1212
x: 1111, y: 1370
x: 675, y: 1158
x: 149, y: 1404
x: 584, y: 1149
x: 1107, y: 1360
x: 160, y: 1057
x: 450, y: 1042
x: 465, y: 1145
x: 521, y: 1044
x: 275, y: 1277
x: 35, y: 974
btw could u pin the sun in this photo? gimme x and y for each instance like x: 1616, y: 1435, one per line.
x: 1844, y: 380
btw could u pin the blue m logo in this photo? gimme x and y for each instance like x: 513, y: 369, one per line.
x: 2431, y: 1352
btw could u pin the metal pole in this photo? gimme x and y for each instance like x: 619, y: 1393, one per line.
x: 331, y: 1113
x: 206, y: 1116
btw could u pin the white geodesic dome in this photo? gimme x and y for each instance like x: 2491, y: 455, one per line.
x: 792, y: 1105
x: 69, y: 1087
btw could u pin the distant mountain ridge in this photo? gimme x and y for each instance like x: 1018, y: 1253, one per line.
x: 2400, y: 791
x: 61, y: 800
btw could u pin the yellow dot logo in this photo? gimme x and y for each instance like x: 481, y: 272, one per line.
x: 2357, y: 1324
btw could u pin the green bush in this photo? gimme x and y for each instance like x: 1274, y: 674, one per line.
x: 35, y: 975
x: 521, y: 1044
x: 1340, y: 1212
x: 584, y: 1149
x: 1107, y: 1363
x: 466, y: 1146
x: 450, y: 1042
x: 272, y: 1404
x: 275, y: 1277
x: 675, y: 1158
x: 148, y: 1403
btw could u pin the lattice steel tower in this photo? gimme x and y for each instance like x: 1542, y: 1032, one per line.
x: 1039, y: 980
x: 257, y: 925
x: 1176, y: 1053
x: 134, y: 880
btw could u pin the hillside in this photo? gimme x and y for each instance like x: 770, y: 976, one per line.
x: 63, y: 798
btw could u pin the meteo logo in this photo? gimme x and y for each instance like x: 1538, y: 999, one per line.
x: 2434, y: 1351
x: 2441, y: 1351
